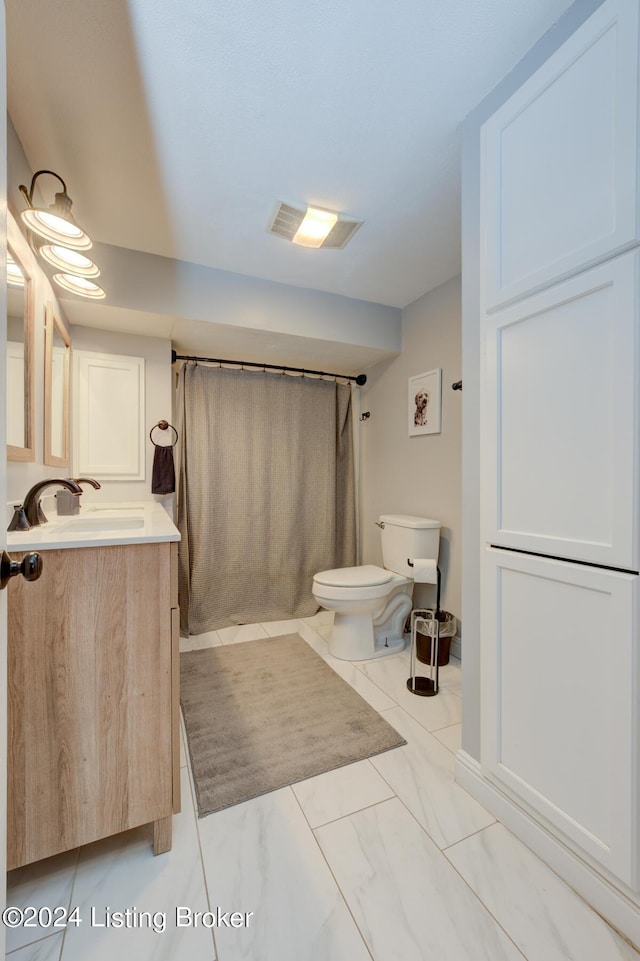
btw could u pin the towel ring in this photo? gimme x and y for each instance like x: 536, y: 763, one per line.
x: 163, y: 425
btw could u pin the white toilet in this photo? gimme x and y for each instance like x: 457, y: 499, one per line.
x: 371, y: 603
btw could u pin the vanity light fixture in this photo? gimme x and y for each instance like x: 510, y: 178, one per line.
x: 79, y: 285
x: 15, y: 277
x: 54, y: 223
x: 59, y: 240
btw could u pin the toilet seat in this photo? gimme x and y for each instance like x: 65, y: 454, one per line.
x: 367, y: 575
x: 355, y: 583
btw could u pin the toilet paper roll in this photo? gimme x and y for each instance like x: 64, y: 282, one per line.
x: 425, y: 570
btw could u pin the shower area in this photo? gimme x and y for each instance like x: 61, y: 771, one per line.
x: 266, y: 497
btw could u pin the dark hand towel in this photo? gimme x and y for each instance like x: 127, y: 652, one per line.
x: 164, y: 475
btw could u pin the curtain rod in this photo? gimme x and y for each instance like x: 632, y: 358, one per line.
x: 360, y: 379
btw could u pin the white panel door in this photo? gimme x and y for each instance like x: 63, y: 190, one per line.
x: 560, y: 685
x: 108, y: 416
x: 559, y: 161
x: 560, y: 458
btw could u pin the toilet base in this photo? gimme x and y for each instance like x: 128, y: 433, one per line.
x: 352, y: 639
x: 391, y: 645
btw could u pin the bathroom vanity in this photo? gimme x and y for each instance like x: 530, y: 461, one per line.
x: 93, y: 672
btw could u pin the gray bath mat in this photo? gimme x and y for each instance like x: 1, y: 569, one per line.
x: 263, y: 714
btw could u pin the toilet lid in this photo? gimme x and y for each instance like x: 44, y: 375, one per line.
x: 368, y: 575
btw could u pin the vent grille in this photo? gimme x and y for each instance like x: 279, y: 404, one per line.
x: 287, y: 219
x: 341, y: 233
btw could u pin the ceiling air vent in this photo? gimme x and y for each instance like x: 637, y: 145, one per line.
x: 341, y: 233
x: 287, y: 219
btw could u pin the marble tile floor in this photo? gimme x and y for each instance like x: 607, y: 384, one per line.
x: 386, y: 859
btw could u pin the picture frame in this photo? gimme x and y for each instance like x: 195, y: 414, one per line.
x: 425, y: 403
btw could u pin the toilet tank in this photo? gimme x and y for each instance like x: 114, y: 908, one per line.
x: 404, y: 537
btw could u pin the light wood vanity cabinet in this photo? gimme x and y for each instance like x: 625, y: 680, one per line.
x: 93, y: 711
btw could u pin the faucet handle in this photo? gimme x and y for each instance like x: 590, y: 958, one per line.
x: 19, y: 520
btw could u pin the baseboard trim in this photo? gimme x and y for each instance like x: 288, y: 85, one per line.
x: 612, y: 904
x: 456, y: 647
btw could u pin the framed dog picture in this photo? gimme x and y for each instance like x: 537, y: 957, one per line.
x: 425, y: 403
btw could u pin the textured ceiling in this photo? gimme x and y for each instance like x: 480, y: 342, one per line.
x: 178, y: 124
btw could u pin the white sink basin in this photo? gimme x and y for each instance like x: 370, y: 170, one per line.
x: 91, y: 524
x: 117, y: 523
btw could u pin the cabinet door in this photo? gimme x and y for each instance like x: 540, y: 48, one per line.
x: 559, y: 161
x: 560, y: 458
x: 560, y: 684
x: 89, y: 707
x: 108, y: 414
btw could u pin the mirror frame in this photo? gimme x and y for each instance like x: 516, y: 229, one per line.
x: 54, y: 325
x: 26, y: 453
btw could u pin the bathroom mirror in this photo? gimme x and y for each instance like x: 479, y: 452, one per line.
x: 19, y: 380
x: 57, y: 348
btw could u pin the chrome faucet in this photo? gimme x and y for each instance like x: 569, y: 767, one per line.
x: 69, y: 503
x: 33, y: 510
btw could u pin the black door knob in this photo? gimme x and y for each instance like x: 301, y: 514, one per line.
x: 30, y: 567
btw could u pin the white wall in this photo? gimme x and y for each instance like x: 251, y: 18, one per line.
x: 18, y: 171
x: 417, y: 475
x: 147, y: 282
x: 158, y: 402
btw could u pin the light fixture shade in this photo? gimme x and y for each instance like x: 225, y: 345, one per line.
x: 315, y: 227
x: 49, y: 225
x: 69, y: 261
x: 79, y: 285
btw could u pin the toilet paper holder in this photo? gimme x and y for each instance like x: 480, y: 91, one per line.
x: 425, y: 686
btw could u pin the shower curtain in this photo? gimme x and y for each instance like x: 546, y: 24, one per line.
x: 266, y: 494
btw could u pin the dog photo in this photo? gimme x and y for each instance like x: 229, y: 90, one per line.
x: 425, y: 403
x: 420, y: 414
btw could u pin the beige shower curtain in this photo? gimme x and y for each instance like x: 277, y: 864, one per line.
x: 265, y: 495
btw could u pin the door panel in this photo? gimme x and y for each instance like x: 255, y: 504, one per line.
x: 559, y: 162
x: 3, y: 473
x: 559, y: 707
x: 560, y: 462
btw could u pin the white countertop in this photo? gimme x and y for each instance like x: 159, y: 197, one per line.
x: 98, y: 525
